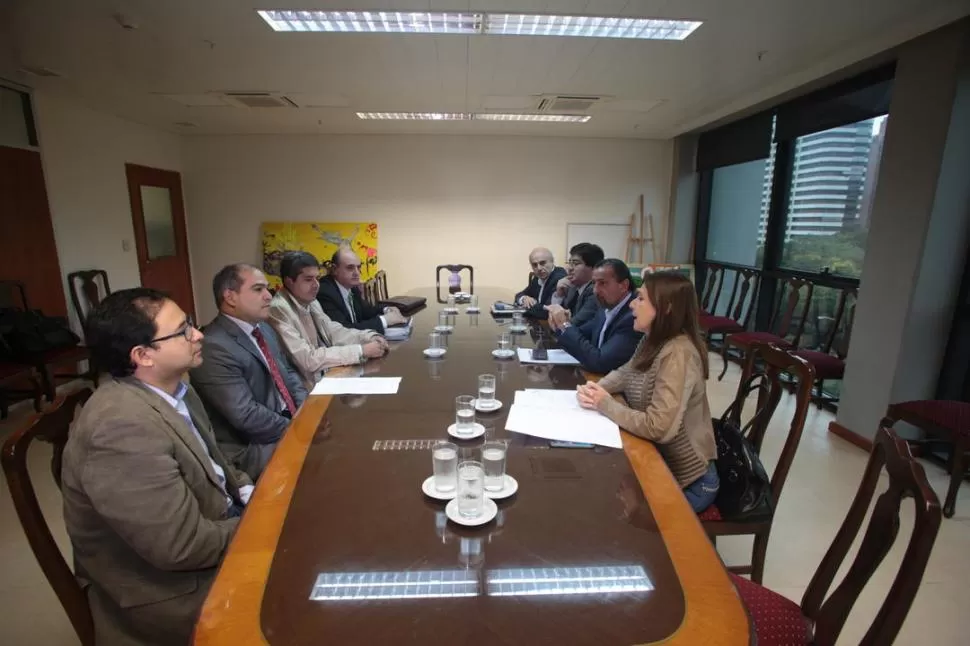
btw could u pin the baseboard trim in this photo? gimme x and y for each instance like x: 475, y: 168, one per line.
x: 851, y: 437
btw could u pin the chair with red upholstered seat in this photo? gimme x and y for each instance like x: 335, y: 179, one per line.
x: 946, y: 420
x: 820, y: 618
x: 830, y: 366
x: 713, y: 285
x: 786, y: 326
x: 740, y: 305
x: 772, y: 362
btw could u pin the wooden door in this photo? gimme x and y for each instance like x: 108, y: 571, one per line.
x: 28, y: 252
x: 158, y: 217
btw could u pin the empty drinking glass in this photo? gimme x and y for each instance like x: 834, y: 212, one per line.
x: 493, y: 461
x: 473, y: 302
x: 444, y: 458
x: 464, y: 414
x: 471, y: 494
x: 486, y: 391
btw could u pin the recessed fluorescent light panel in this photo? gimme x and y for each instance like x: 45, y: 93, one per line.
x: 530, y: 582
x: 415, y: 116
x: 382, y: 22
x: 467, y: 116
x: 345, y: 586
x: 522, y: 24
x: 469, y: 23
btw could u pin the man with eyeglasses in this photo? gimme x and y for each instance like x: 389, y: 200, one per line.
x: 575, y: 300
x: 542, y: 285
x: 247, y: 383
x: 150, y: 502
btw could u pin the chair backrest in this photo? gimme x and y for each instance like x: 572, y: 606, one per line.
x: 743, y: 292
x: 369, y: 290
x: 842, y: 326
x: 773, y: 363
x: 382, y: 293
x: 50, y: 426
x: 713, y: 284
x: 906, y: 479
x: 453, y: 268
x: 88, y: 289
x: 789, y: 319
x: 13, y: 294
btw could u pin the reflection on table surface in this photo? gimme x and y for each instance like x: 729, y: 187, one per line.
x: 576, y: 556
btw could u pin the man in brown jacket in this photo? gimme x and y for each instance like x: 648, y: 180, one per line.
x: 150, y: 503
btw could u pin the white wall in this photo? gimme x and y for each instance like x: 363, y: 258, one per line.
x: 84, y: 155
x: 484, y: 201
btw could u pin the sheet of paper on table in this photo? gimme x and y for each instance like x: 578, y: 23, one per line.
x: 556, y: 415
x: 400, y: 332
x: 357, y: 386
x: 557, y: 357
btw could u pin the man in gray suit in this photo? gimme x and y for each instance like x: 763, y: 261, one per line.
x: 150, y: 503
x: 246, y: 381
x: 574, y: 300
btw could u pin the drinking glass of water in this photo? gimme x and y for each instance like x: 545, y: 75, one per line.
x: 435, y: 342
x: 504, y: 341
x: 444, y: 458
x: 451, y: 301
x: 471, y: 491
x: 464, y: 414
x: 493, y: 461
x: 486, y: 391
x: 517, y: 320
x: 473, y: 301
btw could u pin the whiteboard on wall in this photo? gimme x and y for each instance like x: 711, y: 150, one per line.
x: 611, y: 237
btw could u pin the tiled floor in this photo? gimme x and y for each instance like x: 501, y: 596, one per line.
x: 823, y: 480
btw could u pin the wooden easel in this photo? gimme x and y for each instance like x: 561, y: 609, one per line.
x: 638, y: 236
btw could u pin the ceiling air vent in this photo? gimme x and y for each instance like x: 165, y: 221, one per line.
x: 259, y: 100
x: 566, y: 104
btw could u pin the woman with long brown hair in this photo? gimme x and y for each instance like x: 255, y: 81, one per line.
x: 664, y: 384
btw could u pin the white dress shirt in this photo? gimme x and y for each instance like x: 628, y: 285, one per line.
x: 345, y: 294
x: 610, y: 313
x: 247, y: 329
x: 178, y: 403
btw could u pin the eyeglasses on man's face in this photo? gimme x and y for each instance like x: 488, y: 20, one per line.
x: 575, y: 262
x: 186, y: 331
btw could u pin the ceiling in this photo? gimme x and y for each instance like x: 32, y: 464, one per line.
x: 186, y: 51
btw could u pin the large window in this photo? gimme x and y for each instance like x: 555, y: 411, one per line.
x: 739, y: 207
x: 833, y: 178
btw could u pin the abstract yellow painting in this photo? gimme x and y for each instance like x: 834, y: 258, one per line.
x: 321, y: 239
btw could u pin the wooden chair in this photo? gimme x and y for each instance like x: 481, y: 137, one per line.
x: 773, y: 363
x: 739, y: 308
x: 829, y: 366
x: 947, y: 421
x: 12, y: 374
x: 711, y: 292
x: 50, y: 426
x: 820, y: 618
x: 453, y: 269
x: 88, y: 288
x: 785, y: 323
x: 382, y: 293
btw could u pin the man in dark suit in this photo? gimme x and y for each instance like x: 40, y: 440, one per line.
x: 246, y: 381
x: 575, y: 300
x: 545, y: 276
x: 150, y: 502
x: 608, y: 340
x: 339, y: 296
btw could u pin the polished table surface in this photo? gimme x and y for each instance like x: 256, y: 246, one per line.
x: 332, y: 502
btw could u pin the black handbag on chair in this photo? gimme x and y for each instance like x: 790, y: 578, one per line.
x: 745, y: 485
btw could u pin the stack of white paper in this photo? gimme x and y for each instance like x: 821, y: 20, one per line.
x: 357, y: 386
x: 556, y: 356
x: 556, y: 415
x: 399, y: 333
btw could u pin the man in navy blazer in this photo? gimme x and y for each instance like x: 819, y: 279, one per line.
x: 542, y: 285
x: 608, y: 340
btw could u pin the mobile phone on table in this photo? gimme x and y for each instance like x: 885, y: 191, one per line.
x: 540, y: 354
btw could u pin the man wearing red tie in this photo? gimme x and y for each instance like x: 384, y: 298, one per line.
x: 249, y: 388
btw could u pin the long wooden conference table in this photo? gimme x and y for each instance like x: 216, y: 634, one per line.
x: 342, y: 498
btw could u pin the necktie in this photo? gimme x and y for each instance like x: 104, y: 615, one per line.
x: 350, y: 306
x: 274, y: 370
